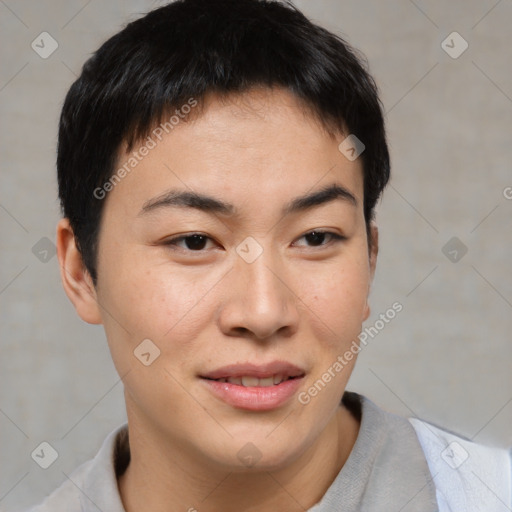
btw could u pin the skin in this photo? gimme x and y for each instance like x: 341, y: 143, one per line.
x: 300, y: 301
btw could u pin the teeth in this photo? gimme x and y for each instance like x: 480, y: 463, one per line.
x: 278, y: 378
x: 265, y: 383
x: 249, y: 381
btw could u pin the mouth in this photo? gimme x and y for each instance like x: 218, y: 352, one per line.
x: 249, y: 381
x: 255, y: 387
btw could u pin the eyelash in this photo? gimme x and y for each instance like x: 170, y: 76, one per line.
x: 172, y: 242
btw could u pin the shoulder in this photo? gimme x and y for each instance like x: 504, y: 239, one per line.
x: 468, y: 476
x: 92, y: 485
x: 67, y: 496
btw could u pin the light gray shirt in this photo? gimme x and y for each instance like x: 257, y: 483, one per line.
x: 395, y: 465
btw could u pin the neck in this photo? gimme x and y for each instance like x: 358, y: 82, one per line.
x: 162, y: 477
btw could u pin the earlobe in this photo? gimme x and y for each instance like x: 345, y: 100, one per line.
x: 373, y: 250
x: 366, y: 312
x: 76, y: 280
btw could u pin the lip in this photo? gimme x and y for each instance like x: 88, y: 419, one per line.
x: 253, y: 370
x: 255, y: 398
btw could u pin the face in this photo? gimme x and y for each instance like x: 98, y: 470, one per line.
x: 238, y: 247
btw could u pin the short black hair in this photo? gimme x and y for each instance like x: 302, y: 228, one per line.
x: 186, y: 50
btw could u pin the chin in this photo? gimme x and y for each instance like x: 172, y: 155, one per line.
x: 260, y: 454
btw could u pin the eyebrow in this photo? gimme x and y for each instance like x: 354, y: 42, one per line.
x: 208, y: 204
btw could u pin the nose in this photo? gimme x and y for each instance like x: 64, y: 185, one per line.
x: 259, y: 300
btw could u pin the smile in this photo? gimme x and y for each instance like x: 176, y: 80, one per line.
x: 249, y: 381
x: 253, y: 387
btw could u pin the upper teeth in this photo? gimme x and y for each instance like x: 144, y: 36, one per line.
x: 249, y: 381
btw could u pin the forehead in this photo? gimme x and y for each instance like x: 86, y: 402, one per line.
x: 263, y: 145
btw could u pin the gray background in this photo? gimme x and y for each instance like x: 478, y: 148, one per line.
x: 446, y: 357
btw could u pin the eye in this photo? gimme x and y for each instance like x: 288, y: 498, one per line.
x: 317, y: 237
x: 195, y: 242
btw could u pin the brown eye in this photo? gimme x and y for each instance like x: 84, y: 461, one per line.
x: 195, y: 242
x: 317, y: 238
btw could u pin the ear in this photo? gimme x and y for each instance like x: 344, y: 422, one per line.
x: 373, y: 250
x: 76, y: 280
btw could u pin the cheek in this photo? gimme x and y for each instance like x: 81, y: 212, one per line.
x: 156, y: 303
x: 168, y: 311
x: 336, y: 299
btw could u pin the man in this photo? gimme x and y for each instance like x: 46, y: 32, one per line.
x: 219, y: 163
